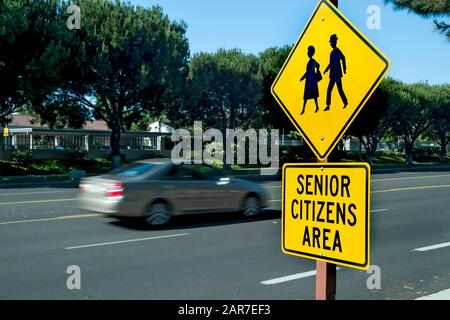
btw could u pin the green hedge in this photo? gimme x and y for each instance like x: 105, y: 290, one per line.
x: 36, y: 167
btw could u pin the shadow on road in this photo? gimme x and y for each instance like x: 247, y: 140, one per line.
x: 197, y: 221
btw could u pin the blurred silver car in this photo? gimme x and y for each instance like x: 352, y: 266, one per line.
x: 156, y: 190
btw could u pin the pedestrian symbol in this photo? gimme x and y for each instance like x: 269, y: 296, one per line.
x: 329, y: 75
x: 335, y: 69
x: 312, y: 77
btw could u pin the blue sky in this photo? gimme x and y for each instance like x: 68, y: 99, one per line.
x: 417, y: 53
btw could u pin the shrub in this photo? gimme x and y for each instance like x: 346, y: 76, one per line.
x: 48, y: 167
x: 426, y: 153
x: 77, y: 154
x: 22, y: 157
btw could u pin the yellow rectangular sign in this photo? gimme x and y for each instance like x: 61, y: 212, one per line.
x: 5, y: 132
x: 331, y: 72
x: 326, y: 212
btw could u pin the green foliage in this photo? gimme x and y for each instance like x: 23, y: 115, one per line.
x: 22, y: 158
x: 77, y: 154
x: 427, y: 8
x: 40, y: 167
x: 38, y: 57
x: 424, y: 154
x: 125, y: 62
x: 270, y: 63
x: 48, y: 167
x: 371, y: 125
x: 296, y: 154
x: 440, y: 128
x: 423, y: 7
x: 403, y: 110
x: 388, y: 157
x: 224, y: 90
x: 409, y: 113
x: 137, y: 59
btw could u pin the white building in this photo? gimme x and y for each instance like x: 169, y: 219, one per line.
x: 160, y: 127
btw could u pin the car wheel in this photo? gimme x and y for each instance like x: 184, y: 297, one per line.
x: 158, y: 214
x: 251, y: 206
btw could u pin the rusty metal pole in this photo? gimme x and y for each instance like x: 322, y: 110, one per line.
x: 325, y: 281
x: 326, y: 272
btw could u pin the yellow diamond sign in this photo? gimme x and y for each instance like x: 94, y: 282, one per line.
x: 329, y: 75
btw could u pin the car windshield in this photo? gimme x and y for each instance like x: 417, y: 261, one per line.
x: 134, y: 169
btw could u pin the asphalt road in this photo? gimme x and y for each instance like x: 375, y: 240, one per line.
x: 223, y: 256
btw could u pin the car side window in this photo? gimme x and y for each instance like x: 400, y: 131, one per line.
x: 182, y: 173
x: 205, y: 172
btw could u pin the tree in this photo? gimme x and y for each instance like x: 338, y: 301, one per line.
x: 130, y: 61
x: 440, y: 127
x: 23, y: 41
x: 142, y: 57
x: 224, y: 90
x: 409, y: 113
x: 427, y: 8
x: 37, y: 57
x: 270, y: 63
x: 371, y: 125
x: 12, y: 37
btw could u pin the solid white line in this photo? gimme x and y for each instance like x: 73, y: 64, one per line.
x: 126, y: 241
x: 433, y: 247
x: 442, y: 295
x: 291, y: 277
x: 30, y: 193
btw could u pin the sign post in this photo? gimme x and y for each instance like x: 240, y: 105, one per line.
x: 328, y: 77
x: 325, y: 281
x: 326, y: 272
x: 326, y: 217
